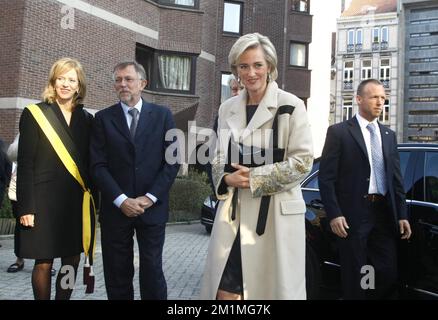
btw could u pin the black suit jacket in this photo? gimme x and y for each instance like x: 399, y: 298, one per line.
x: 345, y: 171
x: 120, y: 164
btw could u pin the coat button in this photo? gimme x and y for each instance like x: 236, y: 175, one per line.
x: 364, y: 196
x: 368, y: 179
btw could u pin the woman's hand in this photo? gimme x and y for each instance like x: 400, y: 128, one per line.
x: 28, y: 220
x: 239, y: 178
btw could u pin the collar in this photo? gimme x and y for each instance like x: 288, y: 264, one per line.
x: 364, y: 122
x: 137, y: 106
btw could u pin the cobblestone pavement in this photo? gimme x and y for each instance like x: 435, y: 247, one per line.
x: 185, y: 250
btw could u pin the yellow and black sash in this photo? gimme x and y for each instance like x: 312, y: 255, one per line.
x: 65, y: 148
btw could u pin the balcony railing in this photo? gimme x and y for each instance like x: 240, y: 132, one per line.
x: 375, y: 46
x: 350, y: 47
x: 348, y: 85
x: 358, y: 47
x: 385, y: 83
x: 384, y: 45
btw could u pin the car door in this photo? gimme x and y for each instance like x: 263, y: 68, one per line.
x: 318, y: 232
x: 423, y: 245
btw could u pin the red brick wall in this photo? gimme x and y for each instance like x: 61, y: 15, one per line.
x: 11, y: 25
x: 32, y: 39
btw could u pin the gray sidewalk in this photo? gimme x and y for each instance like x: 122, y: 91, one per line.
x: 185, y: 250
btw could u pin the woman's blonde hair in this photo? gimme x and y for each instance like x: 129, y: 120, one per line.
x: 254, y: 40
x: 58, y: 68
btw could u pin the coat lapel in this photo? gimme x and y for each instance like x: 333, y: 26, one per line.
x: 144, y: 122
x: 386, y: 141
x: 237, y: 119
x: 357, y: 135
x: 265, y: 112
x: 119, y: 121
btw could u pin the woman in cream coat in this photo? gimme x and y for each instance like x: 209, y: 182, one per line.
x: 272, y: 263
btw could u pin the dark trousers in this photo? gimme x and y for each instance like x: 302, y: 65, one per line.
x: 118, y: 258
x: 369, y: 255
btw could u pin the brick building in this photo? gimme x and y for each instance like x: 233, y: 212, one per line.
x: 191, y: 38
x: 368, y: 47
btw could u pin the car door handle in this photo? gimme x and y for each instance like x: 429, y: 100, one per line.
x: 316, y: 204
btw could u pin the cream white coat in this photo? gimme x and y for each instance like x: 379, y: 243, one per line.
x: 273, y: 264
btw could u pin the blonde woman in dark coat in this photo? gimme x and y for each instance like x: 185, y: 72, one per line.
x: 49, y: 198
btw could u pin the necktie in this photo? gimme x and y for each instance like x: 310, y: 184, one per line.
x: 377, y: 159
x: 134, y: 114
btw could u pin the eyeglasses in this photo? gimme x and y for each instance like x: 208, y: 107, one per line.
x: 128, y: 80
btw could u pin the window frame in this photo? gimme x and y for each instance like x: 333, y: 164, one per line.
x: 387, y: 68
x: 350, y: 71
x: 347, y: 108
x: 306, y: 55
x: 224, y: 73
x: 293, y: 2
x: 384, y: 117
x: 366, y: 69
x: 353, y: 37
x: 387, y: 35
x: 153, y: 77
x: 359, y: 31
x: 170, y: 4
x: 373, y: 35
x: 231, y: 33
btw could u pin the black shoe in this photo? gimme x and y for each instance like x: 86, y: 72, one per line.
x: 53, y: 272
x: 15, y: 267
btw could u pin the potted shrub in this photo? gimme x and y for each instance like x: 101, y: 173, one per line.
x: 7, y: 220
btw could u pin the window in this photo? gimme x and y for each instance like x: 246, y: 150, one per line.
x: 350, y: 37
x: 431, y: 176
x: 384, y: 70
x: 298, y: 54
x: 167, y: 71
x: 376, y: 32
x: 366, y: 69
x: 384, y: 116
x: 182, y: 3
x: 385, y: 34
x: 359, y: 36
x: 225, y: 88
x: 232, y: 17
x: 347, y: 108
x: 300, y: 5
x: 348, y: 75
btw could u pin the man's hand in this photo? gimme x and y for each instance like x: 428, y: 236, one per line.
x: 28, y: 220
x: 239, y: 178
x: 405, y: 229
x: 145, y: 202
x: 131, y: 207
x: 338, y: 226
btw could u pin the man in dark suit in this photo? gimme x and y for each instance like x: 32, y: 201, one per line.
x: 129, y: 167
x: 362, y: 190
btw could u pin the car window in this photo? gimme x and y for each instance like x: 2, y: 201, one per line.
x: 312, y: 183
x: 404, y: 159
x: 431, y: 176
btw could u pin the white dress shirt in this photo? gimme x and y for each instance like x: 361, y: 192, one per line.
x: 367, y: 137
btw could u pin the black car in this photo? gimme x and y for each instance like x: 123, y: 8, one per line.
x: 418, y: 257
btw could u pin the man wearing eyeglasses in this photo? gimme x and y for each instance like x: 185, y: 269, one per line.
x: 129, y: 167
